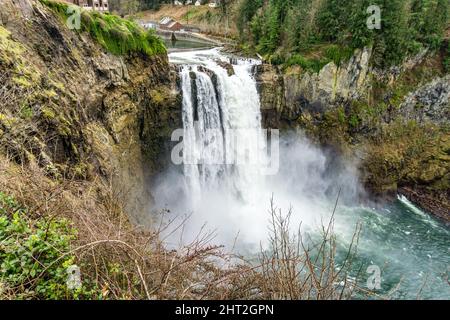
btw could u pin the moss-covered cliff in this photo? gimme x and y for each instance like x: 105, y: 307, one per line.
x: 83, y: 104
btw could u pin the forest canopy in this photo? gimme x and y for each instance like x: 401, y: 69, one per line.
x: 281, y: 28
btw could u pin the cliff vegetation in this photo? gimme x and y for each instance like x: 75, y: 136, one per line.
x: 119, y: 36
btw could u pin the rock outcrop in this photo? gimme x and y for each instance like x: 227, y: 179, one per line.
x: 227, y: 66
x: 284, y: 95
x: 429, y: 103
x: 334, y: 83
x: 270, y: 85
x: 78, y: 111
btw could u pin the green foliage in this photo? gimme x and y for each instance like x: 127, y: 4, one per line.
x: 332, y: 53
x: 270, y: 31
x: 296, y: 26
x: 35, y: 254
x: 121, y: 36
x: 118, y: 36
x: 446, y: 61
x: 429, y: 18
x: 333, y: 18
x: 26, y: 112
x: 314, y: 65
x: 338, y: 54
x: 247, y: 11
x: 353, y: 121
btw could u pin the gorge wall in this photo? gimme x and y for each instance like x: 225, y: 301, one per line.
x: 78, y: 111
x: 285, y: 94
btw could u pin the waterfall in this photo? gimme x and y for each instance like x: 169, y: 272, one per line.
x: 229, y: 168
x: 209, y: 191
x: 222, y: 125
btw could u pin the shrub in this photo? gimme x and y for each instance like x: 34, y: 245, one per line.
x: 338, y: 54
x: 314, y: 65
x: 34, y: 255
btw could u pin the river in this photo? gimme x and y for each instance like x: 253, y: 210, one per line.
x: 409, y: 247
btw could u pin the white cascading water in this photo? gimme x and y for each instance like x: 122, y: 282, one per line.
x: 233, y: 200
x: 227, y: 180
x: 224, y: 185
x: 219, y: 114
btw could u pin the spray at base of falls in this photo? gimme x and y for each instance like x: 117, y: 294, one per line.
x: 220, y: 113
x: 234, y: 200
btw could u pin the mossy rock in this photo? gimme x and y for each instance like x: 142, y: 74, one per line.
x: 48, y: 113
x: 13, y: 54
x: 118, y: 36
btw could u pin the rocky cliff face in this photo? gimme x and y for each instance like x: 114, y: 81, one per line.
x: 396, y: 122
x: 429, y: 103
x: 285, y: 94
x: 78, y: 111
x: 271, y: 88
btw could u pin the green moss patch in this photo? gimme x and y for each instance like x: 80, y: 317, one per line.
x: 13, y: 55
x: 315, y: 59
x: 118, y: 36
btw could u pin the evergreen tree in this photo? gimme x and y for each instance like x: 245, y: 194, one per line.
x: 293, y: 26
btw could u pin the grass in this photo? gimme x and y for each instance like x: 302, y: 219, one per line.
x: 314, y: 61
x: 314, y: 65
x: 118, y: 36
x: 338, y: 54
